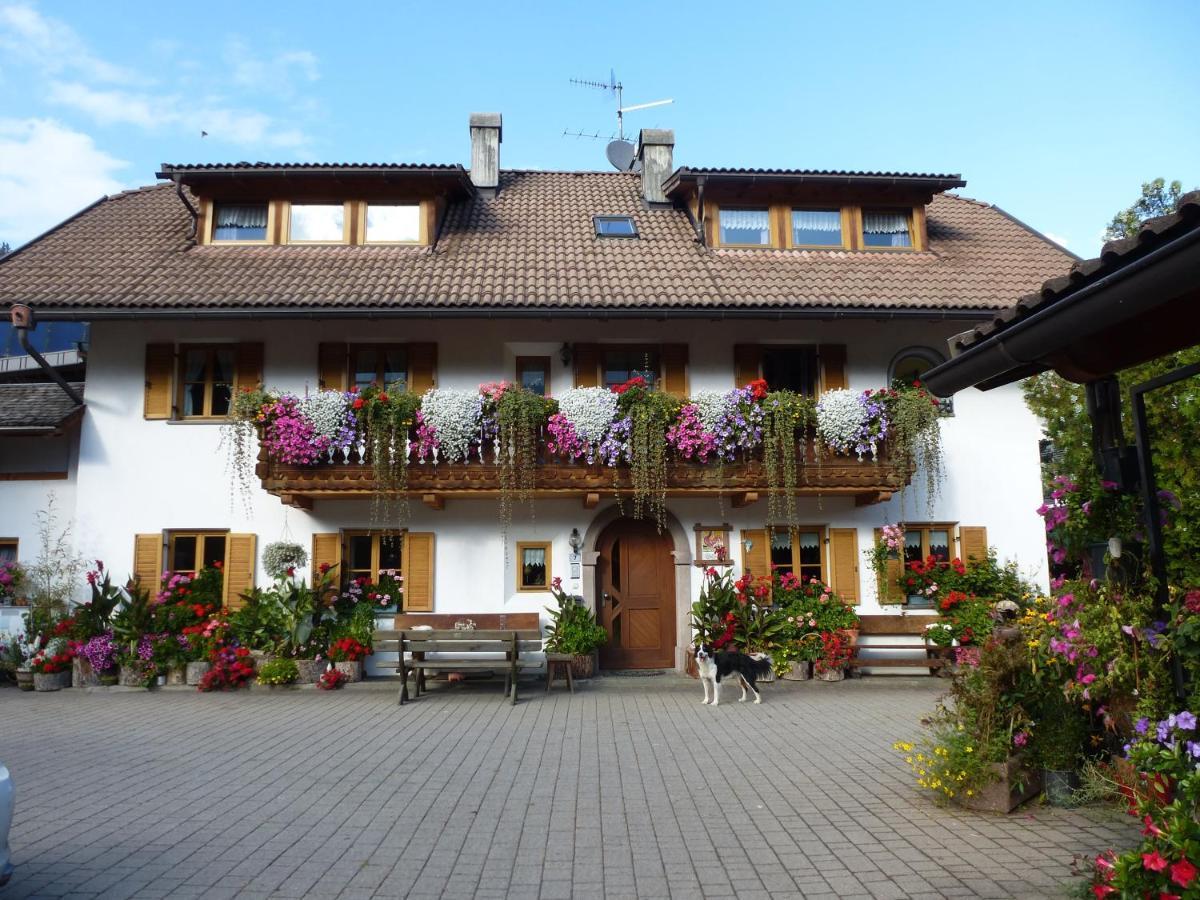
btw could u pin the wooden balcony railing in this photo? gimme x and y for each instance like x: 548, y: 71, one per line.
x: 349, y: 475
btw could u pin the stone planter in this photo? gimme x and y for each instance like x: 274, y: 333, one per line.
x: 131, y: 677
x: 830, y: 675
x: 310, y: 670
x: 82, y: 674
x: 196, y: 671
x: 1014, y: 783
x: 177, y: 676
x: 801, y: 670
x: 583, y: 666
x: 352, y: 670
x: 108, y: 679
x: 25, y: 679
x: 51, y: 682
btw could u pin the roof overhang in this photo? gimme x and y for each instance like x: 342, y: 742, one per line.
x: 1140, y: 306
x: 245, y: 179
x: 684, y: 180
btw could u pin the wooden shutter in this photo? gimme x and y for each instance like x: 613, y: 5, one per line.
x: 147, y: 560
x: 327, y: 549
x: 891, y: 591
x: 240, y: 559
x: 333, y: 366
x: 972, y: 542
x: 160, y: 393
x: 249, y: 366
x: 756, y: 560
x: 833, y: 366
x: 673, y: 358
x: 417, y: 567
x: 843, y: 563
x: 747, y: 364
x: 422, y: 364
x: 587, y: 365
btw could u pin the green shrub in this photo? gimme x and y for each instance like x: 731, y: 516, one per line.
x: 278, y: 671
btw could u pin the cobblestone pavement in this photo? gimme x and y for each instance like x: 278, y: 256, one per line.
x: 630, y: 788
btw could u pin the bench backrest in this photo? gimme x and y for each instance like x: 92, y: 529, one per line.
x: 521, y: 621
x: 449, y: 640
x: 891, y: 624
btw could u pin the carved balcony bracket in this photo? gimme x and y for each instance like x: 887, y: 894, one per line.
x: 434, y: 501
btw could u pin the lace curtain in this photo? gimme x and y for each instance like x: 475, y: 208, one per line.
x: 240, y: 222
x: 886, y: 229
x: 745, y: 226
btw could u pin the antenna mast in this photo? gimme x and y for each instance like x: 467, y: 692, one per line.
x: 617, y: 89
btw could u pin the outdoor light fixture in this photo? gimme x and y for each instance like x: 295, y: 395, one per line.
x: 575, y: 541
x: 1114, y: 547
x: 748, y: 544
x: 564, y: 353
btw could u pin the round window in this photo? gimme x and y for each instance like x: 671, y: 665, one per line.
x: 912, y: 364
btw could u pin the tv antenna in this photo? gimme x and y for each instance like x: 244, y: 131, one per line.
x: 620, y: 152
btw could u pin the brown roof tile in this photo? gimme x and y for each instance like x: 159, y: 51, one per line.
x: 36, y: 405
x: 531, y: 246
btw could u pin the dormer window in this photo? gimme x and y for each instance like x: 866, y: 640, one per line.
x: 745, y: 227
x: 615, y: 226
x: 239, y: 222
x: 887, y: 228
x: 317, y: 223
x: 393, y: 223
x: 816, y: 228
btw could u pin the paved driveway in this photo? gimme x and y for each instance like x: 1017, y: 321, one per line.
x: 629, y: 788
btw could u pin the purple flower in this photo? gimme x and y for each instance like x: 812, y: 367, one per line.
x: 1142, y: 725
x: 1162, y: 731
x: 1186, y: 721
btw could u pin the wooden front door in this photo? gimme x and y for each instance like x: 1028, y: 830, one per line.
x: 635, y: 593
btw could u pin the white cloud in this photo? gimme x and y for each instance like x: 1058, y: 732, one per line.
x: 250, y: 68
x: 48, y: 172
x: 111, y: 107
x: 52, y: 46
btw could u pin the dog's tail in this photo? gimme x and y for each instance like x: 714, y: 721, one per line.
x: 761, y: 667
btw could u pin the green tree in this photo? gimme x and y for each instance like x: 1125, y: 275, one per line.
x: 1173, y: 414
x: 4, y: 248
x: 1158, y: 199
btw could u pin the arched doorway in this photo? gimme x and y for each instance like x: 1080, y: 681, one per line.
x: 635, y: 595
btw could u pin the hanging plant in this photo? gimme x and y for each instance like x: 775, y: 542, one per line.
x: 788, y: 417
x: 239, y: 435
x: 518, y: 415
x: 916, y: 435
x: 650, y: 414
x: 384, y: 420
x: 282, y: 558
x: 582, y: 422
x: 455, y: 418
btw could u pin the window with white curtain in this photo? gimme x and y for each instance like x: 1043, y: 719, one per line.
x: 886, y: 228
x: 745, y: 226
x: 239, y: 222
x: 817, y: 227
x: 321, y: 222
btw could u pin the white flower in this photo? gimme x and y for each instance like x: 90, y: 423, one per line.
x: 455, y: 416
x: 840, y: 418
x: 711, y: 407
x: 590, y: 411
x: 327, y: 410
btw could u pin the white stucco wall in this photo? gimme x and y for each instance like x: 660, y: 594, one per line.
x: 137, y: 476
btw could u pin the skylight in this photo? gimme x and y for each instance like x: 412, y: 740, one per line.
x: 615, y: 226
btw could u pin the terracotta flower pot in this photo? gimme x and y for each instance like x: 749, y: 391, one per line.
x: 352, y: 670
x: 196, y: 671
x: 25, y: 679
x: 82, y: 674
x: 310, y: 670
x: 55, y: 681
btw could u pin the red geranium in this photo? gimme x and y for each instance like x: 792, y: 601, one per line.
x: 637, y: 381
x: 758, y: 388
x: 347, y: 649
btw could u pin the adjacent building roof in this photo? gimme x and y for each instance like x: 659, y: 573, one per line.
x: 36, y: 407
x: 933, y: 183
x: 530, y: 247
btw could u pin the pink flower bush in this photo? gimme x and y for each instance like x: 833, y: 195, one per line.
x: 688, y: 436
x: 290, y: 436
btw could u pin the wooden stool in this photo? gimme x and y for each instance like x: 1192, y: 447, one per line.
x: 563, y: 662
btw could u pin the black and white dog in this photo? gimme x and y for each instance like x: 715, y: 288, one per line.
x: 714, y: 667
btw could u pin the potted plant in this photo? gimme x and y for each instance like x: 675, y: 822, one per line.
x: 100, y: 653
x: 332, y: 679
x: 24, y: 649
x: 52, y: 666
x: 12, y: 576
x: 281, y: 559
x: 1058, y: 746
x: 573, y: 631
x: 834, y: 656
x: 939, y: 644
x: 278, y: 673
x: 347, y: 654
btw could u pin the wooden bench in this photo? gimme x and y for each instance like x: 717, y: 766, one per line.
x: 458, y: 649
x: 894, y: 626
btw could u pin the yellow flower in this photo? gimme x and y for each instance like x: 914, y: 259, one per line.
x: 970, y: 749
x: 1033, y: 643
x: 970, y: 793
x: 949, y: 793
x: 908, y: 759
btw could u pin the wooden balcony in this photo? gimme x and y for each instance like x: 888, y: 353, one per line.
x: 744, y: 482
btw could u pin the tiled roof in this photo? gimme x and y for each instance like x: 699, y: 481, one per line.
x: 35, y: 405
x: 531, y: 246
x: 172, y: 168
x: 1114, y: 256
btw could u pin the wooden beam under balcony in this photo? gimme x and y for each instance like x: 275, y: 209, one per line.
x: 296, y: 501
x: 434, y: 501
x: 591, y: 501
x: 745, y: 498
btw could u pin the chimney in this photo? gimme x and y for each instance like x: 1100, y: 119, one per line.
x: 656, y: 147
x: 486, y: 135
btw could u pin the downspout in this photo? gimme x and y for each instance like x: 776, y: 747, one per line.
x: 22, y: 322
x: 188, y: 203
x: 700, y: 207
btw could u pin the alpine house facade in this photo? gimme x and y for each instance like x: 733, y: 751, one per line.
x: 364, y: 279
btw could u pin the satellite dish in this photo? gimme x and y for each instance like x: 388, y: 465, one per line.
x: 621, y: 155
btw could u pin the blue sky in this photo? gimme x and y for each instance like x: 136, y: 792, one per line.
x: 1054, y: 111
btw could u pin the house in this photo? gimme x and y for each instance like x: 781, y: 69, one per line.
x: 312, y: 276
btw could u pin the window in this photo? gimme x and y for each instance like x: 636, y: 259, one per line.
x: 239, y: 222
x: 621, y: 365
x: 887, y: 228
x: 747, y: 227
x: 317, y: 223
x: 911, y: 365
x: 615, y: 226
x: 533, y: 566
x: 816, y: 228
x: 791, y: 369
x: 924, y: 541
x: 799, y: 551
x: 382, y: 364
x: 533, y: 374
x: 372, y: 554
x: 393, y: 224
x: 8, y: 550
x: 206, y: 382
x: 190, y: 551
